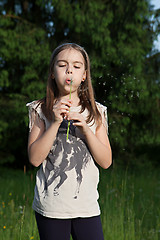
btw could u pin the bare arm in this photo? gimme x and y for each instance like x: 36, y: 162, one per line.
x: 98, y: 143
x: 99, y: 146
x: 41, y: 140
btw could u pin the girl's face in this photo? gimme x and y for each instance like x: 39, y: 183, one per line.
x: 69, y: 65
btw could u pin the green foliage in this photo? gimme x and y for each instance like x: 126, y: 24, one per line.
x: 118, y: 35
x: 24, y: 60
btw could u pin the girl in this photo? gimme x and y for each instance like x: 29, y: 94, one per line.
x: 65, y: 200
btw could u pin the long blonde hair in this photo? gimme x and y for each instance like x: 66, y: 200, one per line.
x: 85, y: 91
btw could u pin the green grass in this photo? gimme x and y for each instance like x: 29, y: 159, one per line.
x: 17, y: 220
x: 130, y: 204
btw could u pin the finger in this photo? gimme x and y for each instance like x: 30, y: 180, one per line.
x: 67, y: 102
x: 60, y: 113
x: 75, y: 117
x: 76, y: 121
x: 63, y: 113
x: 77, y: 124
x: 61, y: 108
x: 61, y: 103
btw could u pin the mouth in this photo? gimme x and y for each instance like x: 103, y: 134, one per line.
x: 68, y: 81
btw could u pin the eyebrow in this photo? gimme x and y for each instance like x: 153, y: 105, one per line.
x: 66, y: 61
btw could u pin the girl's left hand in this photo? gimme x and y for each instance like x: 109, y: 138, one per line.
x: 78, y: 121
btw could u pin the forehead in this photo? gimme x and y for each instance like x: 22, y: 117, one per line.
x: 70, y: 55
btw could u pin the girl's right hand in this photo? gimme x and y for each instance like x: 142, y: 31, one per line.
x: 61, y: 109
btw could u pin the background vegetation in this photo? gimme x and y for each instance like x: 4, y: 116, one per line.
x: 118, y: 35
x: 129, y: 204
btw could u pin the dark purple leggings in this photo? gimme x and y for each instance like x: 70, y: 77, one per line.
x: 61, y: 229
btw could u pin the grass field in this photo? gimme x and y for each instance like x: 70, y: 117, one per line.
x: 130, y: 204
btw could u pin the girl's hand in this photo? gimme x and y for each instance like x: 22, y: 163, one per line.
x: 60, y: 109
x: 79, y: 121
x: 98, y: 143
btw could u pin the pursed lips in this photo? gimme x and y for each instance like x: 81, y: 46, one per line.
x: 68, y: 81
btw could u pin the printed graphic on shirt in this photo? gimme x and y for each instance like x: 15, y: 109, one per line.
x: 65, y: 156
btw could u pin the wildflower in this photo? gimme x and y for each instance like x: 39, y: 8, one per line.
x: 21, y: 209
x: 4, y: 227
x: 10, y: 194
x: 32, y: 237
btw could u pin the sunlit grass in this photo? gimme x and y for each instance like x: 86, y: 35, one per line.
x: 17, y: 220
x: 129, y: 203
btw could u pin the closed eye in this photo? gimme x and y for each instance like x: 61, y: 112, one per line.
x: 62, y: 65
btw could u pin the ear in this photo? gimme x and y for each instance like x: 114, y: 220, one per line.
x: 84, y: 76
x: 52, y: 75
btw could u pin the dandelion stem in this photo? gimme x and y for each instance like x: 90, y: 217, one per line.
x: 69, y: 109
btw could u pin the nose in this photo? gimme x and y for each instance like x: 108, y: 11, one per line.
x: 68, y: 69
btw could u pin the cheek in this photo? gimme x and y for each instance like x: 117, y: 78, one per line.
x: 59, y: 73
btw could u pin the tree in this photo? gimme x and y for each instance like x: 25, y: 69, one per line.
x: 24, y: 60
x: 118, y: 35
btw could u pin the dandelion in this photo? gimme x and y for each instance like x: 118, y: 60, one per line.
x: 69, y: 109
x: 32, y: 237
x: 4, y: 227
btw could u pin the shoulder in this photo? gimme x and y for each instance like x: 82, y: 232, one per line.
x: 101, y: 108
x: 35, y: 113
x: 103, y: 111
x: 34, y: 104
x: 34, y: 108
